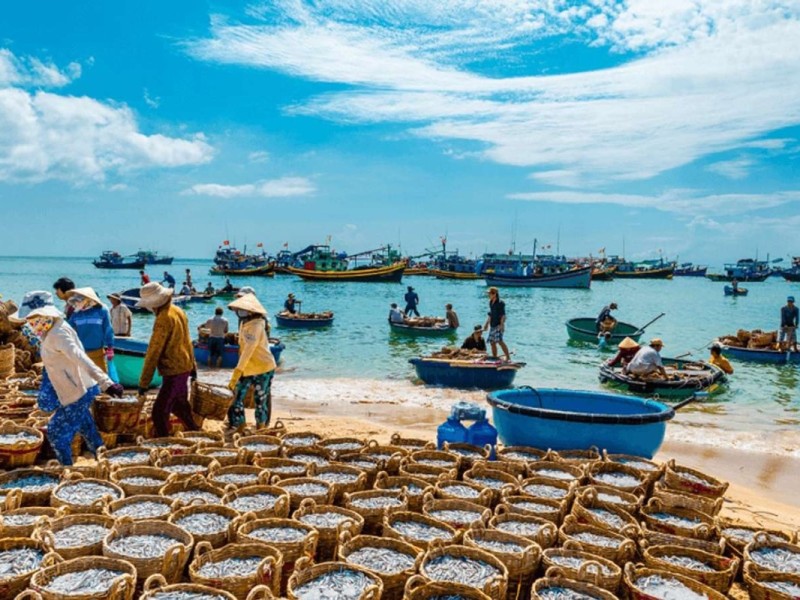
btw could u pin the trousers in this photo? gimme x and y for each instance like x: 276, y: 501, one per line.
x: 262, y: 395
x: 67, y: 421
x: 173, y: 398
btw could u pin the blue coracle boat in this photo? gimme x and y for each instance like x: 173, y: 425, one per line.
x: 483, y: 375
x: 230, y: 355
x: 308, y: 322
x: 572, y: 420
x: 776, y: 357
x: 729, y: 291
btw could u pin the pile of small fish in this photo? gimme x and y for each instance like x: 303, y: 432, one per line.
x: 691, y: 477
x: 575, y: 562
x: 494, y: 484
x: 142, y: 545
x: 253, y: 502
x: 522, y: 528
x: 617, y: 479
x: 189, y: 496
x: 595, y: 539
x: 76, y: 536
x: 231, y: 567
x: 300, y: 441
x: 381, y: 560
x: 521, y: 456
x: 204, y: 523
x: 320, y: 461
x: 416, y: 530
x: 279, y: 534
x: 789, y: 588
x: 557, y: 592
x: 376, y: 502
x: 18, y: 561
x: 363, y: 464
x: 667, y: 588
x: 467, y: 452
x: 535, y: 507
x: 555, y: 474
x: 435, y: 462
x: 672, y: 519
x: 610, y: 498
x: 498, y: 546
x: 131, y: 457
x: 260, y: 447
x: 412, y: 489
x: 32, y: 483
x: 608, y: 517
x: 339, y: 584
x: 236, y: 478
x: 9, y: 439
x: 186, y: 469
x: 776, y: 559
x: 344, y: 447
x: 457, y: 518
x: 84, y: 583
x: 462, y: 491
x: 305, y: 489
x: 324, y: 520
x: 288, y: 470
x: 84, y: 493
x: 460, y: 569
x: 687, y: 562
x: 146, y: 509
x: 337, y: 477
x: 142, y: 481
x: 640, y: 465
x: 222, y: 453
x: 541, y: 490
x: 20, y: 519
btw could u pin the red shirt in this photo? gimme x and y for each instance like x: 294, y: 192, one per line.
x: 145, y: 278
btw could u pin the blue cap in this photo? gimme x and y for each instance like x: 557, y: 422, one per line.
x: 790, y: 299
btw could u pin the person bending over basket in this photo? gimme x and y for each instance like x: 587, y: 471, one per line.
x: 256, y: 364
x: 71, y: 380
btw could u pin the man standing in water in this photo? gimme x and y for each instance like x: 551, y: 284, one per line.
x: 412, y: 299
x: 496, y: 323
x: 789, y: 321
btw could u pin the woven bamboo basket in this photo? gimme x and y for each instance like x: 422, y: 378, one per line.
x: 211, y: 401
x: 720, y: 579
x: 436, y: 458
x: 691, y: 481
x: 192, y: 489
x: 328, y: 540
x: 609, y: 496
x: 411, y: 444
x: 238, y: 476
x: 322, y: 490
x: 12, y: 585
x: 29, y: 496
x: 576, y: 457
x: 127, y: 456
x: 34, y: 516
x: 624, y: 551
x: 217, y: 539
x: 315, y: 455
x: 561, y: 491
x: 204, y: 439
x: 156, y: 586
x: 125, y: 479
x: 292, y: 552
x: 7, y: 355
x: 445, y: 533
x: 435, y: 509
x: 117, y: 415
x: 278, y: 509
x: 470, y: 455
x: 172, y: 444
x: 179, y: 465
x: 619, y: 476
x: 226, y: 457
x: 305, y: 573
x: 579, y: 588
x: 427, y: 473
x: 393, y: 583
x: 606, y: 516
x: 521, y: 564
x: 593, y: 569
x: 552, y: 510
x: 495, y: 587
x: 413, y: 487
x: 762, y: 540
x: 499, y: 482
x: 267, y: 573
x: 283, y: 468
x: 649, y: 468
x: 170, y: 565
x: 538, y: 530
x: 633, y: 573
x: 560, y: 471
x: 11, y: 499
x: 702, y: 529
x: 342, y: 445
x: 659, y: 538
x: 97, y: 506
x: 258, y: 445
x: 677, y: 499
x: 371, y: 466
x: 46, y: 533
x: 419, y: 588
x: 300, y: 439
x: 278, y: 429
x: 451, y: 489
x: 121, y: 588
x: 119, y: 509
x: 373, y: 517
x: 516, y: 459
x: 342, y: 479
x: 17, y: 413
x: 21, y: 453
x: 390, y: 455
x: 736, y: 542
x: 757, y: 584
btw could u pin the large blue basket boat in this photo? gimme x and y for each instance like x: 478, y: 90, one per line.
x: 571, y: 419
x: 483, y: 375
x: 776, y: 357
x: 303, y: 323
x: 230, y: 354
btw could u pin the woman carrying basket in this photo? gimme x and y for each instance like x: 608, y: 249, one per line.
x: 256, y: 364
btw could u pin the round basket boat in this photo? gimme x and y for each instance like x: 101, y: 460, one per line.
x: 584, y: 329
x: 121, y: 587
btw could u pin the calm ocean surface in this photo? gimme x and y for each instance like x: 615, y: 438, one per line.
x: 759, y: 398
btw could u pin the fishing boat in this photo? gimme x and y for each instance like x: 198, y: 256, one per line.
x: 761, y: 355
x: 129, y: 360
x: 450, y: 265
x: 230, y: 261
x: 603, y: 273
x: 729, y: 291
x: 577, y: 420
x: 230, y: 354
x: 323, y: 264
x: 792, y: 273
x: 648, y: 269
x: 110, y: 259
x: 304, y: 320
x: 543, y: 277
x: 688, y: 269
x: 745, y: 269
x: 435, y: 330
x: 197, y: 297
x: 685, y: 378
x: 130, y: 297
x: 152, y: 258
x: 252, y: 271
x: 481, y: 373
x: 583, y: 329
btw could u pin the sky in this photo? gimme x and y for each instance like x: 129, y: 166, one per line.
x: 642, y: 126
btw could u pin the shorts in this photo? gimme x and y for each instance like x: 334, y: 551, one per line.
x: 216, y: 346
x: 788, y: 334
x: 495, y: 335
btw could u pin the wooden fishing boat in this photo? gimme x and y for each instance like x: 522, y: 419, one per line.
x: 746, y: 269
x: 759, y: 355
x: 390, y: 273
x: 583, y: 329
x: 202, y: 297
x: 481, y: 373
x: 151, y: 257
x: 230, y: 354
x: 603, y: 273
x: 438, y: 329
x: 304, y: 320
x: 131, y: 297
x: 645, y: 272
x: 114, y: 260
x: 267, y: 270
x: 686, y: 378
x: 580, y: 278
x: 417, y: 272
x: 690, y: 270
x: 129, y: 361
x: 461, y: 275
x: 729, y: 291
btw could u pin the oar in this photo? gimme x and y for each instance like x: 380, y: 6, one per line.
x: 689, y: 400
x: 651, y: 322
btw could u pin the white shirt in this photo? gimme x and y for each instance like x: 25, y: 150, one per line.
x: 646, y: 361
x: 396, y: 315
x: 121, y: 320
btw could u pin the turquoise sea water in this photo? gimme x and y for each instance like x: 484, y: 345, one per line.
x: 759, y: 398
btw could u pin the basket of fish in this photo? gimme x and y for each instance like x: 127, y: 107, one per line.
x: 519, y: 555
x: 141, y: 480
x: 237, y: 568
x: 35, y: 485
x: 693, y: 482
x: 538, y: 530
x: 713, y: 545
x: 610, y: 496
x: 334, y: 580
x: 373, y: 505
x: 283, y: 468
x: 548, y: 489
x: 429, y: 473
x: 411, y: 444
x: 766, y: 556
x: 184, y: 466
x: 436, y: 458
x: 19, y: 445
x: 264, y: 501
x: 204, y: 439
x: 127, y: 456
x: 342, y: 445
x: 498, y: 482
x: 75, y: 536
x: 329, y: 521
x: 212, y: 523
x: 771, y: 586
x: 150, y: 546
x: 582, y: 566
x: 258, y: 445
x: 419, y: 588
x: 576, y: 457
x: 451, y: 489
x: 85, y: 495
x: 20, y: 558
x: 342, y: 479
x: 157, y: 588
x: 649, y: 468
x: 223, y: 455
x: 619, y: 476
x: 413, y: 487
x: 238, y: 476
x: 681, y: 499
x: 515, y: 459
x: 393, y: 560
x: 560, y: 471
x: 418, y: 530
x: 459, y: 514
x: 738, y: 535
x: 300, y: 439
x: 21, y: 522
x: 300, y: 488
x: 194, y: 489
x: 211, y: 401
x: 86, y: 578
x: 642, y: 583
x: 713, y: 570
x: 468, y: 566
x: 391, y: 456
x: 174, y: 445
x: 370, y: 465
x: 141, y: 508
x: 586, y: 509
x: 677, y: 521
x: 594, y: 540
x: 117, y: 415
x: 553, y: 588
x: 552, y: 510
x: 469, y: 453
x: 318, y: 457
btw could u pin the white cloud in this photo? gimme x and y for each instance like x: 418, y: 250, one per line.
x: 260, y: 156
x: 151, y: 101
x: 732, y: 169
x: 32, y: 72
x: 283, y: 187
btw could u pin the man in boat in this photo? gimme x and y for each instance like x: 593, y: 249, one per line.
x: 396, y: 315
x: 718, y: 360
x: 451, y: 316
x: 169, y: 280
x: 604, y: 321
x: 475, y: 341
x: 186, y: 289
x: 189, y: 279
x: 62, y: 286
x: 496, y: 323
x: 121, y: 317
x: 412, y: 299
x: 228, y: 285
x: 647, y: 362
x: 209, y: 291
x: 92, y: 322
x: 735, y: 286
x: 626, y: 350
x: 144, y: 278
x: 217, y: 328
x: 290, y: 305
x: 789, y: 322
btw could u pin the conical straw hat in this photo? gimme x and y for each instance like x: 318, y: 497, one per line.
x: 627, y: 343
x: 250, y: 303
x: 86, y: 292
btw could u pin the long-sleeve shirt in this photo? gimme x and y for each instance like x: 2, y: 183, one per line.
x: 623, y: 356
x: 255, y: 356
x: 170, y: 349
x: 789, y: 316
x: 71, y: 372
x: 121, y: 319
x: 93, y: 326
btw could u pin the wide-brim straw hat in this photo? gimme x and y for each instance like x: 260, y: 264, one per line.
x: 114, y: 296
x: 86, y: 292
x: 250, y: 303
x: 35, y: 304
x: 628, y: 343
x: 656, y: 342
x: 153, y: 295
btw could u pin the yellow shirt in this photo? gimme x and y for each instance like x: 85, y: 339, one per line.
x: 255, y: 356
x: 721, y: 362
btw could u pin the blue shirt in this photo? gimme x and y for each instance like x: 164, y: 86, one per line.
x: 169, y: 279
x: 411, y: 298
x: 497, y: 310
x: 789, y: 316
x: 93, y: 327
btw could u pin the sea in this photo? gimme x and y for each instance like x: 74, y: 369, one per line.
x: 358, y: 357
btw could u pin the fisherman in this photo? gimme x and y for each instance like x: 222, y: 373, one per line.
x: 604, y: 321
x: 210, y: 291
x: 186, y: 290
x: 496, y: 323
x: 217, y: 328
x: 121, y: 316
x: 62, y: 286
x: 396, y: 315
x: 289, y: 304
x: 789, y: 322
x: 412, y: 299
x: 735, y: 286
x: 189, y: 279
x: 647, y: 361
x: 70, y: 378
x: 169, y: 280
x: 170, y: 350
x: 144, y: 278
x: 228, y: 285
x: 604, y: 340
x: 256, y: 365
x: 475, y: 341
x: 451, y: 316
x: 92, y: 322
x: 718, y: 360
x: 626, y: 350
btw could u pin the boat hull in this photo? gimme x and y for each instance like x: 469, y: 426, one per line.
x: 230, y: 354
x: 392, y: 273
x: 729, y: 291
x: 484, y: 376
x: 791, y: 276
x: 116, y: 266
x: 410, y: 330
x: 603, y: 274
x: 747, y: 278
x: 417, y: 272
x: 264, y: 271
x: 774, y: 357
x: 465, y: 275
x: 583, y: 330
x: 129, y: 361
x: 665, y: 273
x: 691, y: 272
x: 578, y: 420
x: 303, y: 323
x: 577, y: 278
x: 710, y: 380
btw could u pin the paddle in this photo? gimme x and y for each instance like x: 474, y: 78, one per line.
x: 689, y: 400
x: 651, y: 322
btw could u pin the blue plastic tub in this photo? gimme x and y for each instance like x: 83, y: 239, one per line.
x: 572, y: 420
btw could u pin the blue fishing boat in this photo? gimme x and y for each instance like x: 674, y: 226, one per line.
x: 129, y: 360
x: 230, y: 261
x: 571, y: 420
x: 646, y: 269
x: 545, y: 276
x: 304, y: 320
x: 729, y: 291
x: 451, y: 265
x: 130, y: 297
x: 230, y: 355
x: 688, y: 269
x: 435, y: 330
x: 114, y: 260
x: 775, y: 357
x: 745, y: 269
x: 792, y: 273
x: 484, y: 374
x: 152, y: 258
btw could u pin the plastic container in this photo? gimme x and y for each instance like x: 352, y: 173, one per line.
x: 480, y: 433
x: 451, y: 431
x: 467, y: 411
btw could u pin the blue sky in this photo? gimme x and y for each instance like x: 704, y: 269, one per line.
x: 175, y: 125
